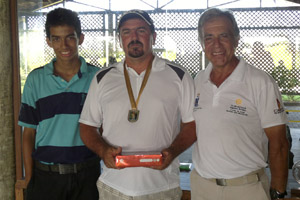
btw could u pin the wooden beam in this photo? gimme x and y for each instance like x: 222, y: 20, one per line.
x: 19, y: 186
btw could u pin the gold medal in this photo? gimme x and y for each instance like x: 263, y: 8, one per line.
x: 133, y: 115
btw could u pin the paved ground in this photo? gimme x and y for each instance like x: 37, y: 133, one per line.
x: 293, y: 115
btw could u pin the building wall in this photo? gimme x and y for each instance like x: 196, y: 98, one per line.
x: 7, y: 159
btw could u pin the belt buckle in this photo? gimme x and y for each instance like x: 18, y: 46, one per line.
x: 67, y: 169
x: 221, y: 182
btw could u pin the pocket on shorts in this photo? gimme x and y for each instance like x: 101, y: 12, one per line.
x: 263, y: 191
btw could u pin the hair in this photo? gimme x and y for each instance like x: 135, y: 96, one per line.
x: 216, y: 12
x: 62, y: 16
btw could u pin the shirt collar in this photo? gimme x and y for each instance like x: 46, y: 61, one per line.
x: 156, y: 64
x: 237, y: 74
x: 49, y: 68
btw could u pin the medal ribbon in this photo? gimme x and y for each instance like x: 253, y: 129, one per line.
x: 134, y: 103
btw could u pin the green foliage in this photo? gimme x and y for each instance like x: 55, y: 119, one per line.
x: 291, y: 98
x: 286, y: 79
x: 281, y: 53
x: 286, y: 71
x: 170, y: 55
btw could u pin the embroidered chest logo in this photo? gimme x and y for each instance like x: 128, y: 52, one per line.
x: 237, y: 108
x: 197, y: 100
x: 280, y: 108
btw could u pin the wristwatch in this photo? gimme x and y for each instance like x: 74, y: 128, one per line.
x: 276, y: 194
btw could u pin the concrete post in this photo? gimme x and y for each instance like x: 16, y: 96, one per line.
x: 7, y: 157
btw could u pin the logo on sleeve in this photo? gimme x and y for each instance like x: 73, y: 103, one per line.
x: 280, y: 108
x: 197, y: 100
x: 196, y: 104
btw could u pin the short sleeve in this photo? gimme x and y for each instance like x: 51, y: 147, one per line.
x: 270, y: 106
x: 92, y: 113
x: 188, y: 92
x: 28, y: 116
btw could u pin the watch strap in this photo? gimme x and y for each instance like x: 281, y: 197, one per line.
x: 276, y: 194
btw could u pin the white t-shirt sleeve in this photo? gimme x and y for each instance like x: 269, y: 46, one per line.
x: 270, y: 106
x: 92, y: 113
x: 188, y: 92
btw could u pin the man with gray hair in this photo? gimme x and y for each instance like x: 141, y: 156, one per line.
x: 240, y: 121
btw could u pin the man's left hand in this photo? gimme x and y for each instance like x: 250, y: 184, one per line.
x: 167, y: 158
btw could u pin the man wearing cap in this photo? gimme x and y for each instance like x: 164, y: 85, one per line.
x: 139, y: 102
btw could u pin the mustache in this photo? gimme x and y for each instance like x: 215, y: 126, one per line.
x: 135, y: 42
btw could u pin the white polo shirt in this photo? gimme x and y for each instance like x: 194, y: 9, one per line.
x: 167, y: 99
x: 230, y: 120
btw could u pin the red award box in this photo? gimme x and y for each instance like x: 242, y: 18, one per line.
x: 139, y: 159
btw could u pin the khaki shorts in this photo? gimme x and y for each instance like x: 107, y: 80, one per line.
x: 108, y: 193
x: 204, y: 189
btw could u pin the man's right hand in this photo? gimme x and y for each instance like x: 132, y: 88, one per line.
x: 28, y: 148
x: 92, y: 138
x: 27, y: 180
x: 109, y: 156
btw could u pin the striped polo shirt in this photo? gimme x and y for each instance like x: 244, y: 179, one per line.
x: 52, y: 106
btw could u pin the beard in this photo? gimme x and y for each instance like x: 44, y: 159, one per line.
x: 136, y: 51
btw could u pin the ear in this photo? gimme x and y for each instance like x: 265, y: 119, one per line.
x: 49, y: 42
x: 236, y: 42
x: 153, y: 39
x: 81, y: 39
x: 120, y: 41
x: 203, y: 46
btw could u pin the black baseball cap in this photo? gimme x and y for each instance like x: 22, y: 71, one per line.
x: 131, y: 14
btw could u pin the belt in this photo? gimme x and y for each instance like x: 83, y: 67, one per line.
x: 247, y: 179
x: 67, y: 168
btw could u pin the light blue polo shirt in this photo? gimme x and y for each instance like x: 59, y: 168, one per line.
x: 52, y: 106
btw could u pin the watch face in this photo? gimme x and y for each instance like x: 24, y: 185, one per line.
x: 273, y: 194
x: 276, y: 195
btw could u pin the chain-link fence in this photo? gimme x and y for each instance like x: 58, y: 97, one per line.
x: 270, y: 40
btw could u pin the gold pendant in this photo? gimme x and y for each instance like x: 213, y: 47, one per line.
x: 133, y: 115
